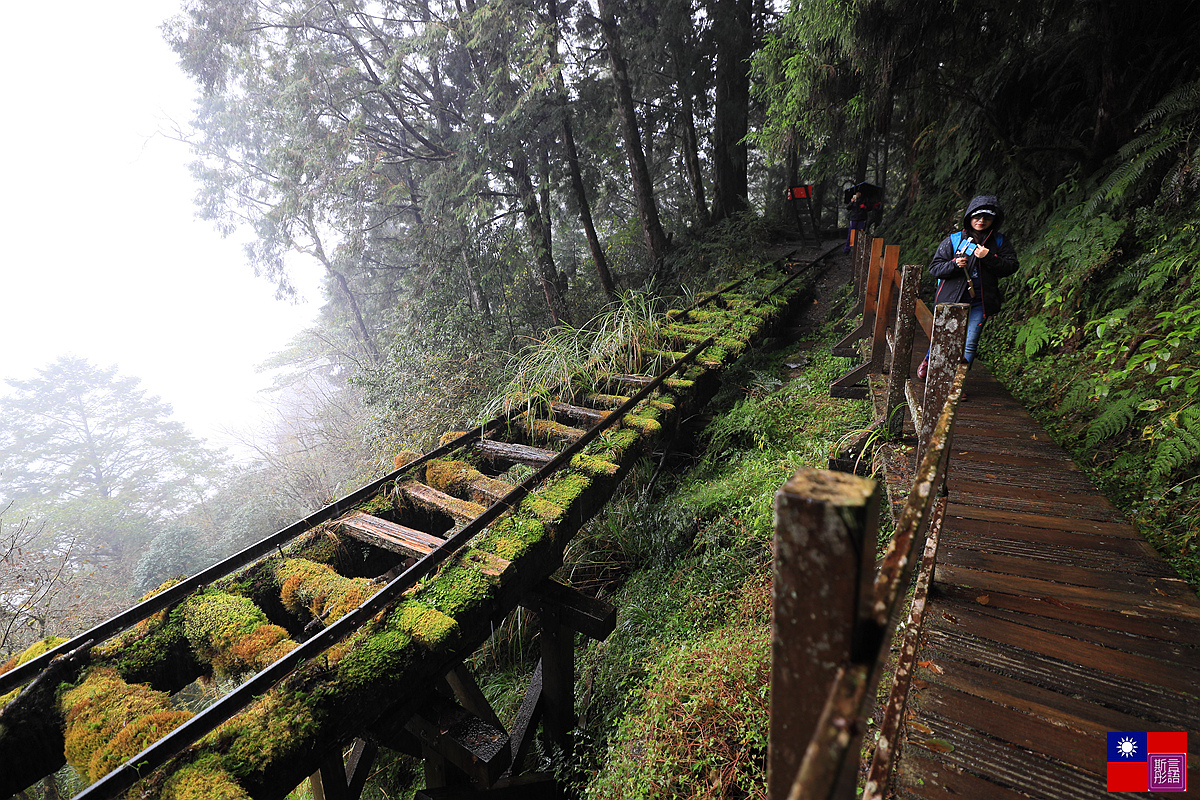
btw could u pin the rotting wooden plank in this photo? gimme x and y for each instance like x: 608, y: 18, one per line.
x: 515, y: 453
x: 1045, y: 476
x: 1047, y: 703
x: 1149, y: 605
x: 963, y: 495
x: 589, y: 416
x: 388, y: 535
x: 1168, y: 629
x: 431, y: 499
x: 1032, y: 490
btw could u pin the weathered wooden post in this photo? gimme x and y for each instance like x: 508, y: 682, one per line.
x: 883, y: 306
x: 901, y: 364
x: 945, y: 354
x: 825, y: 526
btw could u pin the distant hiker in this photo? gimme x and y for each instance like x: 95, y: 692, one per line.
x: 863, y: 206
x: 969, y: 264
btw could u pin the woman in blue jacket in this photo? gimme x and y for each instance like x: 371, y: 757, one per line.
x: 969, y: 265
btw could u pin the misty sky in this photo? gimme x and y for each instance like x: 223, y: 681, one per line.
x: 103, y: 256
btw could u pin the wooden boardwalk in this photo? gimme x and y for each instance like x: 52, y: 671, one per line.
x: 1050, y: 623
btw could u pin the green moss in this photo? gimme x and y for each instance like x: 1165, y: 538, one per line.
x: 232, y: 633
x: 275, y: 727
x: 100, y: 708
x: 374, y: 657
x: 452, y: 477
x: 645, y: 425
x: 202, y: 780
x: 544, y: 510
x: 514, y: 536
x: 318, y: 590
x: 427, y: 626
x: 133, y: 739
x: 33, y: 651
x: 457, y: 587
x: 594, y: 466
x: 620, y: 443
x: 146, y: 651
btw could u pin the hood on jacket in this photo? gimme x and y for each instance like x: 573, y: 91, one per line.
x: 984, y: 201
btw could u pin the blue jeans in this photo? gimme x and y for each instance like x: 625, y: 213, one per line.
x: 974, y: 329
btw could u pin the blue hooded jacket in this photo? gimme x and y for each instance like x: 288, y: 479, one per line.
x: 1000, y: 262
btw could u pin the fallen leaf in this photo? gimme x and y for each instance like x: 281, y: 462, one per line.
x: 919, y: 684
x: 983, y: 599
x: 950, y: 618
x: 920, y: 728
x: 939, y: 745
x: 1054, y: 602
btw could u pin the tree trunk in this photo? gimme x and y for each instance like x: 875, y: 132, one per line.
x: 733, y: 28
x: 580, y: 191
x: 643, y: 187
x: 539, y: 236
x: 691, y: 153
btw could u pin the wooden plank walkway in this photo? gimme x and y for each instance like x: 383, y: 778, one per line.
x: 1050, y: 623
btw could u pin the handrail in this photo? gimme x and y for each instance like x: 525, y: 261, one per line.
x: 854, y: 635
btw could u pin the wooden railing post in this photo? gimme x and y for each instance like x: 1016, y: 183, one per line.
x: 883, y: 305
x: 902, y: 341
x: 945, y: 354
x: 825, y: 527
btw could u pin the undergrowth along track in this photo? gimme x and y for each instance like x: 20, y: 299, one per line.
x: 346, y: 619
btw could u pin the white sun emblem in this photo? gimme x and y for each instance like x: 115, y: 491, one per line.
x: 1126, y: 747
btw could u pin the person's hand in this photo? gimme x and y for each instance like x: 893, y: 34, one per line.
x: 981, y: 252
x: 961, y: 261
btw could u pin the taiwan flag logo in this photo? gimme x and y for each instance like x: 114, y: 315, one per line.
x: 1147, y: 762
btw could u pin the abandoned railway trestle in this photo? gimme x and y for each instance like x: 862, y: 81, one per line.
x: 354, y: 622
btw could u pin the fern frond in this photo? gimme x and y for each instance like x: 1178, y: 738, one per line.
x: 1113, y: 420
x: 1078, y: 397
x: 1178, y: 450
x: 1033, y: 336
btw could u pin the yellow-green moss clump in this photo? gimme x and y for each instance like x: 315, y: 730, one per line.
x: 202, y: 780
x: 232, y: 633
x: 143, y: 653
x: 108, y: 721
x: 427, y: 626
x: 459, y: 586
x: 318, y: 590
x: 514, y: 536
x: 33, y: 651
x: 267, y: 731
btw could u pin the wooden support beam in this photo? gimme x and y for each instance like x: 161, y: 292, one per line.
x: 388, y: 535
x: 344, y: 780
x: 528, y: 717
x: 539, y: 429
x: 470, y: 696
x: 850, y: 385
x: 452, y: 736
x: 558, y: 679
x: 825, y: 525
x: 592, y: 617
x: 533, y: 786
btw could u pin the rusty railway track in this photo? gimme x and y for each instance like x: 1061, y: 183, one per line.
x: 352, y: 623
